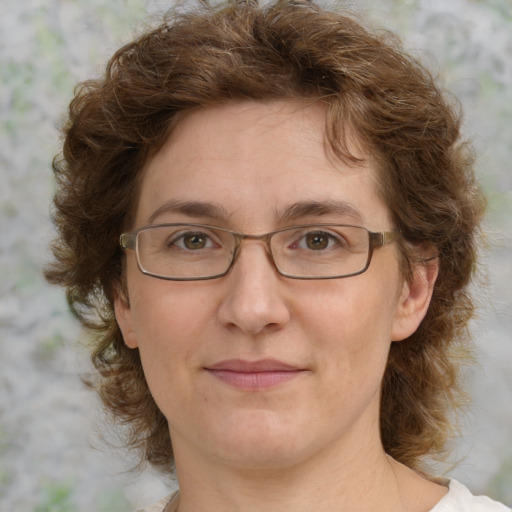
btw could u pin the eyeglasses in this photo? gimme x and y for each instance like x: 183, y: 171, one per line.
x: 190, y: 252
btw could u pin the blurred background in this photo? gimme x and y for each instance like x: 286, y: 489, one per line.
x: 53, y: 453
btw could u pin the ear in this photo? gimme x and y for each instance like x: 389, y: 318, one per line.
x: 124, y: 319
x: 414, y: 299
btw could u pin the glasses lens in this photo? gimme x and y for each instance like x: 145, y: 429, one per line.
x: 183, y: 251
x: 321, y: 251
x: 201, y: 252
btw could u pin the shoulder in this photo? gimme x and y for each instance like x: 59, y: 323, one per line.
x: 167, y: 504
x: 460, y: 499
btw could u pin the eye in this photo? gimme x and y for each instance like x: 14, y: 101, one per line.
x: 192, y: 241
x: 318, y: 241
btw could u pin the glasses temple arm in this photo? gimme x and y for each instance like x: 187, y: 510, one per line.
x: 128, y: 241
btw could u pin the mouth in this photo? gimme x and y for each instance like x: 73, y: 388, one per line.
x: 254, y: 375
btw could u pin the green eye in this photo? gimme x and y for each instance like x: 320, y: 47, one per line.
x: 195, y: 241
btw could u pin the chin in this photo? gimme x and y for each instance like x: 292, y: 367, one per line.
x: 258, y: 443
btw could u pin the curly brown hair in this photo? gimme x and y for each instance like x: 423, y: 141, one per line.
x: 285, y: 50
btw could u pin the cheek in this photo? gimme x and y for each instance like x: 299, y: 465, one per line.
x: 167, y: 326
x: 350, y: 329
x: 350, y: 310
x: 165, y: 312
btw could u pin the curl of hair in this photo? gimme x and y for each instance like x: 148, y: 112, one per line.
x: 240, y: 51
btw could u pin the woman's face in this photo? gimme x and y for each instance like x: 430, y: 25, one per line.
x: 254, y: 369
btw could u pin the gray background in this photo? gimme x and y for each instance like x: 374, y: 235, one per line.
x: 53, y: 451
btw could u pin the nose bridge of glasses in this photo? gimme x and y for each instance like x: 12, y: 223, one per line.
x: 240, y: 238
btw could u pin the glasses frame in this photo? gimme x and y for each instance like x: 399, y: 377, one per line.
x: 129, y: 241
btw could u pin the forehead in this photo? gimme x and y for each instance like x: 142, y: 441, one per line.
x: 254, y: 163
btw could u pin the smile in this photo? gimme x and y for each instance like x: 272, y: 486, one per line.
x: 254, y: 376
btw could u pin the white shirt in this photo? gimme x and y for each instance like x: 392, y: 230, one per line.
x: 458, y: 499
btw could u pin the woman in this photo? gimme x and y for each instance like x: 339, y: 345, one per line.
x: 267, y: 216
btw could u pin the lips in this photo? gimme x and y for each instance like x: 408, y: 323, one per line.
x: 254, y: 375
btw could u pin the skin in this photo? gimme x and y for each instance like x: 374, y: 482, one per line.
x: 310, y: 442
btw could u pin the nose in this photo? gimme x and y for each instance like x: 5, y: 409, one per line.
x: 254, y: 301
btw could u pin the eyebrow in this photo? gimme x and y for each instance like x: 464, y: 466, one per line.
x: 202, y: 210
x: 321, y: 208
x: 293, y: 212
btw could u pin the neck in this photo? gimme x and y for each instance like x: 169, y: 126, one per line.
x: 349, y: 480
